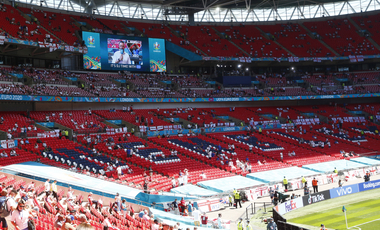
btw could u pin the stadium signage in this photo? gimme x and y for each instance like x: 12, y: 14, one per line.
x: 369, y: 185
x: 325, y: 195
x: 327, y: 96
x: 342, y: 191
x: 289, y: 206
x: 11, y: 97
x: 127, y: 100
x: 209, y: 205
x: 227, y: 99
x: 315, y: 198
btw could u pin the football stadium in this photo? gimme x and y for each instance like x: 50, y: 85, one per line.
x: 178, y: 114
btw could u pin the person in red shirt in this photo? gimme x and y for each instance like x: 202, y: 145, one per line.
x: 204, y: 219
x: 182, y: 205
x: 3, y: 187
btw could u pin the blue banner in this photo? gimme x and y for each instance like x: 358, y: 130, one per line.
x: 167, y: 82
x: 223, y: 117
x: 72, y: 78
x: 369, y: 185
x: 211, y: 82
x: 157, y: 55
x: 116, y: 122
x: 121, y: 80
x: 17, y: 75
x: 356, y: 112
x: 12, y: 97
x: 46, y: 124
x: 345, y: 190
x: 308, y: 114
x: 175, y: 119
x: 342, y: 79
x: 255, y: 82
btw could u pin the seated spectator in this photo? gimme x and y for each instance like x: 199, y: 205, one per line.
x: 13, y: 153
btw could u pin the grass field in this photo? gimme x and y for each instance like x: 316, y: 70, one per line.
x: 363, y: 212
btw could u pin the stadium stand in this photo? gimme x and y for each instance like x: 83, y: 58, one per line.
x: 115, y: 127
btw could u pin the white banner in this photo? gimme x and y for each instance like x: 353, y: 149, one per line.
x: 253, y: 194
x: 209, y: 205
x: 293, y: 59
x: 289, y: 206
x: 48, y: 134
x: 2, y: 40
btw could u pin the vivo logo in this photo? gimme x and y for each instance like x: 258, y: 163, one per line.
x: 344, y: 191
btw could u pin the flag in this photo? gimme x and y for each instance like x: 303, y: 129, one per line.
x: 293, y: 59
x: 344, y: 209
x: 352, y: 58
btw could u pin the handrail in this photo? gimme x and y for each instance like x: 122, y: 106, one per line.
x: 252, y: 208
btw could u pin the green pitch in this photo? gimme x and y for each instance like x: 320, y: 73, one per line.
x: 363, y: 213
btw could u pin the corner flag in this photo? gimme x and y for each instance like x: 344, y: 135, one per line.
x: 345, y: 216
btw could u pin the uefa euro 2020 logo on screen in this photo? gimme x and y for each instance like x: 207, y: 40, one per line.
x: 91, y: 40
x: 156, y: 46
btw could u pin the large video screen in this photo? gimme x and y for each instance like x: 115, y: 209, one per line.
x: 114, y: 52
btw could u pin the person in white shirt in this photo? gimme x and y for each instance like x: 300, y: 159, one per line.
x: 219, y: 221
x: 249, y: 167
x: 186, y: 176
x: 197, y: 217
x: 180, y: 180
x: 47, y: 187
x: 118, y: 201
x: 118, y: 169
x: 120, y: 56
x: 12, y: 205
x: 20, y: 216
x: 174, y: 182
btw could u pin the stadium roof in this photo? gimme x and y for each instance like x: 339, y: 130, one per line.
x: 199, y: 5
x: 213, y: 10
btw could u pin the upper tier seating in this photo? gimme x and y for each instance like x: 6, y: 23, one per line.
x: 18, y: 27
x: 252, y: 41
x: 61, y: 25
x: 296, y: 40
x: 369, y: 23
x: 206, y: 39
x: 340, y: 35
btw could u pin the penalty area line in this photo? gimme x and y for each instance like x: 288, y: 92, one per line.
x: 356, y: 226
